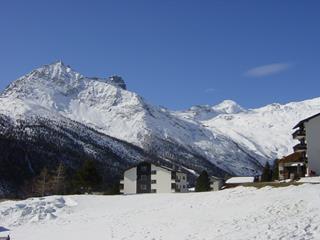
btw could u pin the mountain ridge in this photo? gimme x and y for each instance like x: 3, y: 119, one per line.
x: 224, y: 137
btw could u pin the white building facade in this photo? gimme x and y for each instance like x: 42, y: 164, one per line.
x: 216, y: 183
x: 151, y: 178
x: 308, y: 133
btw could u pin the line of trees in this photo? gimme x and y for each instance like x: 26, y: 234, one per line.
x: 58, y: 181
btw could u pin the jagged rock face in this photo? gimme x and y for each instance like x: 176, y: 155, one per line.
x: 117, y: 81
x: 224, y: 138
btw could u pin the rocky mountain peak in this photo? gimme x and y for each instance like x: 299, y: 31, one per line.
x: 117, y: 81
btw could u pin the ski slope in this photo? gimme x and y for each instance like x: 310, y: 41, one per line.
x: 240, y: 213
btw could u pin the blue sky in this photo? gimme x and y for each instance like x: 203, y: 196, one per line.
x: 173, y: 53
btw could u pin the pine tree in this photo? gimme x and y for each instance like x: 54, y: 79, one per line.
x: 87, y: 178
x: 203, y: 182
x: 267, y: 173
x: 275, y: 170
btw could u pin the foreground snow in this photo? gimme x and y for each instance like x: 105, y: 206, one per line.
x: 240, y: 213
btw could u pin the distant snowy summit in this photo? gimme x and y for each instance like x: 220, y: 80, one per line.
x: 205, y: 112
x: 223, y: 138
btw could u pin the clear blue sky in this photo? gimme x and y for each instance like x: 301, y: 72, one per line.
x: 173, y: 53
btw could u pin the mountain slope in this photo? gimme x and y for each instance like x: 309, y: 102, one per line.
x: 265, y: 131
x: 225, y: 138
x: 110, y: 109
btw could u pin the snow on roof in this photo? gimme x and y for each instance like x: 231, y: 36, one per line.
x: 240, y: 180
x: 306, y: 120
x: 4, y: 232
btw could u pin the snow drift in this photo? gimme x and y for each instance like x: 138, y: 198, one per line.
x: 242, y: 213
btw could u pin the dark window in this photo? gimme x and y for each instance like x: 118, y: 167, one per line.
x: 144, y: 168
x: 154, y: 172
x: 153, y: 181
x: 143, y: 187
x: 153, y: 190
x: 121, y: 186
x: 173, y: 186
x: 143, y: 177
x: 173, y: 175
x: 184, y: 177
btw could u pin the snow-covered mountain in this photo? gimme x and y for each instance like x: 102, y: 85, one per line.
x: 265, y: 131
x: 225, y: 138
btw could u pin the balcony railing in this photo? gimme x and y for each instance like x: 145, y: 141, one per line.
x: 299, y: 134
x: 301, y: 147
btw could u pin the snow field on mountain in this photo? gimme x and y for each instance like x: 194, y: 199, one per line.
x: 240, y: 213
x: 236, y: 140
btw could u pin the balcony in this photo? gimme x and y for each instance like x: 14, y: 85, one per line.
x: 301, y: 147
x: 299, y: 134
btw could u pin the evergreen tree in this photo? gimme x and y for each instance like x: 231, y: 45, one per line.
x: 275, y: 170
x: 87, y: 178
x: 267, y: 173
x: 203, y: 182
x: 114, y: 189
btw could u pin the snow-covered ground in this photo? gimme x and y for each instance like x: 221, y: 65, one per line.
x: 241, y: 213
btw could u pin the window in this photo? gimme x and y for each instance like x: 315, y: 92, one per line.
x: 144, y: 168
x: 143, y: 187
x: 153, y: 181
x: 154, y: 172
x: 121, y: 186
x: 143, y: 177
x: 153, y: 190
x: 184, y: 177
x: 173, y: 175
x: 173, y: 186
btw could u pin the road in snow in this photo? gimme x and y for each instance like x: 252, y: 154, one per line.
x: 241, y: 213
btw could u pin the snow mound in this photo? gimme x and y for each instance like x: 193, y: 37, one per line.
x: 242, y: 213
x: 35, y: 210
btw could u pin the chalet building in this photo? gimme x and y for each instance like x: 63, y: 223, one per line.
x: 148, y: 177
x: 216, y: 183
x: 292, y: 166
x: 307, y: 132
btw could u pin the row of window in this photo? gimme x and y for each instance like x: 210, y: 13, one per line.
x: 145, y: 169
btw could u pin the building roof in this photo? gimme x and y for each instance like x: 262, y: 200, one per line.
x: 305, y: 120
x: 237, y: 180
x: 4, y: 232
x: 294, y: 157
x: 216, y: 178
x: 156, y: 164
